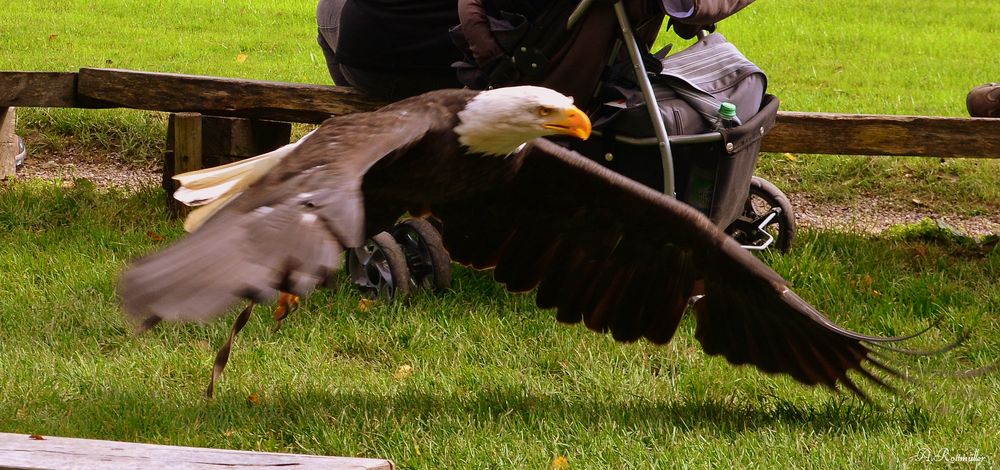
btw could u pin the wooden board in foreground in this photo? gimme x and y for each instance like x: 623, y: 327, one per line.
x: 20, y: 451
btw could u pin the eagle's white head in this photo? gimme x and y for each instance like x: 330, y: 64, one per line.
x: 498, y: 121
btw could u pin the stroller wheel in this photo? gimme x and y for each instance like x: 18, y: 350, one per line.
x: 379, y: 268
x: 767, y: 215
x: 428, y: 261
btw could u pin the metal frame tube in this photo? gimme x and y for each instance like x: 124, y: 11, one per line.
x: 663, y: 140
x: 578, y: 12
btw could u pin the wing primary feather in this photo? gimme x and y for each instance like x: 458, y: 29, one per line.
x: 535, y: 270
x: 921, y: 352
x: 850, y: 385
x: 594, y: 302
x: 805, y: 308
x: 576, y: 282
x: 551, y: 287
x: 626, y: 308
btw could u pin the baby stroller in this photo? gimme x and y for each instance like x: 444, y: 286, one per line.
x: 656, y: 120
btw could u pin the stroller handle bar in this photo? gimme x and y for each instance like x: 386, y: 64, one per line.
x: 578, y: 13
x: 662, y: 139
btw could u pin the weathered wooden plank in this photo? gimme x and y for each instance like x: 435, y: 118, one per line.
x: 20, y: 451
x: 296, y: 102
x: 865, y: 134
x: 38, y: 89
x: 8, y: 143
x: 824, y: 133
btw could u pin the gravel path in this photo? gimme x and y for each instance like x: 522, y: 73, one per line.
x: 67, y: 166
x: 873, y: 215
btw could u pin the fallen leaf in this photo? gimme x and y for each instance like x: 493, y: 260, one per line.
x: 918, y: 202
x: 791, y: 157
x: 229, y: 433
x: 403, y: 372
x: 36, y: 437
x: 240, y: 58
x: 155, y: 236
x: 559, y: 463
x: 365, y: 304
x: 53, y: 37
x: 253, y: 399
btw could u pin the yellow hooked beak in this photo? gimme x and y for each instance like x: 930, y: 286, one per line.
x: 570, y: 121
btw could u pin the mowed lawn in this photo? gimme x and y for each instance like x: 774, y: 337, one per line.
x: 477, y: 377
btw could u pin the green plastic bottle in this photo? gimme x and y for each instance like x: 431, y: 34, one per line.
x: 727, y: 113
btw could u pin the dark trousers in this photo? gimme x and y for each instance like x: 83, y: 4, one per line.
x: 391, y: 85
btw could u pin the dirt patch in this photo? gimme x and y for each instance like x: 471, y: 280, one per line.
x: 68, y: 165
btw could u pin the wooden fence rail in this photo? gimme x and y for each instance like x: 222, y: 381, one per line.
x: 797, y: 132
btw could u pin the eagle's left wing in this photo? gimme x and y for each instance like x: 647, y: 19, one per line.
x: 285, y: 232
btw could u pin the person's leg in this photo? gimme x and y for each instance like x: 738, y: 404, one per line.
x: 396, y: 85
x: 328, y: 26
x: 332, y: 65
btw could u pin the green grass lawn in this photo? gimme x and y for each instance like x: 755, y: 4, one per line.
x: 495, y: 382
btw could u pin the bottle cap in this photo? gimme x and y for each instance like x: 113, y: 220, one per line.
x: 727, y: 110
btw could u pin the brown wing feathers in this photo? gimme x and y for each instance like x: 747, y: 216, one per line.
x: 621, y: 259
x: 750, y: 317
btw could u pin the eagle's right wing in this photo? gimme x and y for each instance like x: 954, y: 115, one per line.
x: 624, y: 259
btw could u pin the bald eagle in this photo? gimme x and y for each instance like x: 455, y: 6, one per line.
x: 597, y: 247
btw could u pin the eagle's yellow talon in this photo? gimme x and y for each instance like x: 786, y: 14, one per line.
x: 287, y: 303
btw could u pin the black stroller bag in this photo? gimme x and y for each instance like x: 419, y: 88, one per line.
x: 713, y: 164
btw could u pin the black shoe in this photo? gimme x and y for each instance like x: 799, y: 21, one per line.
x: 984, y: 101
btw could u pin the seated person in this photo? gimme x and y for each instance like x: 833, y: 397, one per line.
x: 575, y: 66
x: 390, y: 49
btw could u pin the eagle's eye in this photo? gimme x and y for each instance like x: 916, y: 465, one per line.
x: 544, y: 111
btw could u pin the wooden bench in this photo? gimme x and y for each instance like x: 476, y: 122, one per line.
x: 23, y: 451
x: 250, y: 116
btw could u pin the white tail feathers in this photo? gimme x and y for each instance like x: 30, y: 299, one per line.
x: 210, y: 189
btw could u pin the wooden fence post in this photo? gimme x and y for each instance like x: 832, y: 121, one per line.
x: 187, y: 150
x: 8, y: 143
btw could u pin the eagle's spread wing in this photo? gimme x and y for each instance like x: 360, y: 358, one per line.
x: 286, y: 232
x: 599, y: 247
x: 625, y: 259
